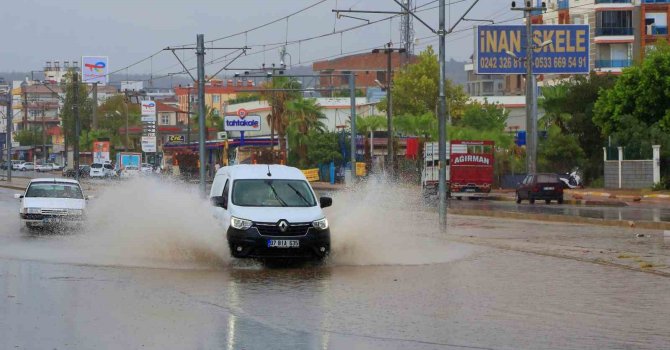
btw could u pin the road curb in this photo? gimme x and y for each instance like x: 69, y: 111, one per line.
x: 562, y: 218
x: 584, y: 202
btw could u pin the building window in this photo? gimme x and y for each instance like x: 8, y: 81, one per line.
x: 165, y: 119
x: 216, y: 99
x: 381, y: 76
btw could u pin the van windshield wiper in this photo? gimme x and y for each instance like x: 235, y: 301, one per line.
x: 299, y: 194
x: 274, y: 191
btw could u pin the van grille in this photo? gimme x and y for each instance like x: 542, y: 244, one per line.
x: 54, y: 211
x: 271, y: 229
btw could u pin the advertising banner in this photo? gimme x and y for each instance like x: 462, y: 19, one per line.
x: 557, y: 49
x: 246, y: 123
x: 149, y: 143
x: 94, y: 69
x: 176, y: 139
x: 148, y: 108
x: 100, y: 151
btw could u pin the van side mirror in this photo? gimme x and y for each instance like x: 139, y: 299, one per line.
x: 18, y: 196
x: 219, y: 201
x: 325, y: 202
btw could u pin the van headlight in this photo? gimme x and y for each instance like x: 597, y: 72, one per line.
x: 240, y: 224
x: 320, y: 224
x: 33, y: 211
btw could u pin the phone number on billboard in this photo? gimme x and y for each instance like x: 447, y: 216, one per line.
x: 538, y: 62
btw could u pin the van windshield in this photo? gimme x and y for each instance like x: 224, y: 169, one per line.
x: 272, y: 193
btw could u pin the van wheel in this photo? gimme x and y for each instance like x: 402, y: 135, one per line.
x: 517, y: 199
x: 531, y: 200
x: 547, y: 201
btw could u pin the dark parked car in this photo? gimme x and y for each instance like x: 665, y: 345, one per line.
x: 545, y: 187
x: 84, y: 171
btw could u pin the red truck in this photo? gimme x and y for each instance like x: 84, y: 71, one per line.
x: 471, y: 167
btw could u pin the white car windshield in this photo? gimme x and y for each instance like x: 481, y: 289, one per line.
x: 272, y: 193
x: 96, y: 165
x: 54, y: 190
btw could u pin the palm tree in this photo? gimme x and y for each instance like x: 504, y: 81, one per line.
x: 212, y: 120
x: 277, y: 92
x: 553, y: 102
x: 304, y: 116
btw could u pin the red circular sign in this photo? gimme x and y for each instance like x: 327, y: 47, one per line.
x: 242, y: 113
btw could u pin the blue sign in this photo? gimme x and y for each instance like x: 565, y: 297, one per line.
x: 520, y: 138
x: 557, y: 49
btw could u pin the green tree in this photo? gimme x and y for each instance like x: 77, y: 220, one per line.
x: 28, y: 137
x: 642, y: 92
x: 278, y: 91
x: 570, y: 106
x: 367, y: 125
x: 304, y: 116
x: 112, y: 116
x: 559, y: 152
x: 85, y: 104
x: 484, y: 116
x: 323, y: 148
x: 416, y: 88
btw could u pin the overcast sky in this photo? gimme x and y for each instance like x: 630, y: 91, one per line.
x: 129, y: 30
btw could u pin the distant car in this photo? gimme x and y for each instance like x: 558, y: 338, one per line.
x: 146, y: 168
x: 102, y: 170
x: 129, y: 171
x: 44, y: 167
x: 545, y: 187
x: 51, y: 201
x: 3, y: 165
x: 25, y: 166
x: 57, y: 166
x: 15, y: 164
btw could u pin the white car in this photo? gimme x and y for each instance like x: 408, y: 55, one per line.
x: 44, y: 167
x: 16, y: 163
x: 25, y: 166
x: 51, y: 201
x: 102, y: 170
x: 270, y: 211
x: 147, y: 168
x: 129, y: 171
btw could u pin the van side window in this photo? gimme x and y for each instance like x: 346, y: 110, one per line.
x: 225, y: 194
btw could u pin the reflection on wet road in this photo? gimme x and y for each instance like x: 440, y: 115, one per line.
x: 103, y: 290
x: 614, y: 213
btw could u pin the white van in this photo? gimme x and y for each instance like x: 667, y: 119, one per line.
x: 270, y: 211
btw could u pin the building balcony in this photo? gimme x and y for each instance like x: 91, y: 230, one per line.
x: 614, y: 31
x: 657, y: 30
x: 614, y: 2
x: 656, y: 1
x: 563, y: 4
x: 614, y: 63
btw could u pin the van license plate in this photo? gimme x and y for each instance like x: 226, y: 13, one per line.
x: 283, y: 243
x: 52, y: 220
x: 548, y: 188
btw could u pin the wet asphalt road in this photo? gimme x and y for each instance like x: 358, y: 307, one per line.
x: 55, y: 296
x: 634, y: 212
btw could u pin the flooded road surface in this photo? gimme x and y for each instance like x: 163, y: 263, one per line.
x: 399, y: 286
x: 612, y: 213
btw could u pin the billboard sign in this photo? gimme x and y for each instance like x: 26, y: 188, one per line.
x: 148, y: 108
x: 557, y: 49
x: 176, y: 139
x: 149, y: 144
x: 238, y: 123
x: 94, y: 69
x: 100, y: 151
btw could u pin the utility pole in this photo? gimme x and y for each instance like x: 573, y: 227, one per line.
x: 188, y: 120
x: 442, y: 121
x: 390, y: 155
x: 125, y: 112
x: 94, y: 114
x: 77, y: 126
x: 44, y: 138
x: 531, y: 99
x: 200, y: 53
x: 352, y: 94
x: 10, y: 114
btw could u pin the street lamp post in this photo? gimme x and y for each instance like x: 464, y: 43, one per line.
x: 531, y: 98
x: 390, y: 153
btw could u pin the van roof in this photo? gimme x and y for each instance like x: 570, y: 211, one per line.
x: 53, y: 179
x: 260, y: 171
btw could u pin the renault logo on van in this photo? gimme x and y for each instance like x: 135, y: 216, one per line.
x: 283, y: 225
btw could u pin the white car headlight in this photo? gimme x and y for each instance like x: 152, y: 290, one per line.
x: 75, y: 212
x: 240, y: 224
x: 321, y: 224
x: 33, y: 211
